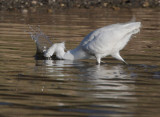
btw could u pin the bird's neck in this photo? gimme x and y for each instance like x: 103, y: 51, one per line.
x: 76, y: 53
x: 60, y: 53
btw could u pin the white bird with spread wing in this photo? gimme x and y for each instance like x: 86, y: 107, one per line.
x: 105, y: 41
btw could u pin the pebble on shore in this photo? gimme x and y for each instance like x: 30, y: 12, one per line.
x: 25, y: 5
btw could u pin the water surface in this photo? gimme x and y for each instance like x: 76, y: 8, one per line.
x: 43, y: 88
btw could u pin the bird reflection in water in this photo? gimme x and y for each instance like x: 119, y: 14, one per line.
x: 106, y: 76
x: 81, y: 80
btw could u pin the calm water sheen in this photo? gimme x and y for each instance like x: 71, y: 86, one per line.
x: 45, y: 88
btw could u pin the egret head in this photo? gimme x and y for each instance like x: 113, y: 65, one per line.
x: 57, y: 48
x: 60, y: 46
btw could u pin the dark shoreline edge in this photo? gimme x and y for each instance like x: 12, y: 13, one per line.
x: 20, y: 5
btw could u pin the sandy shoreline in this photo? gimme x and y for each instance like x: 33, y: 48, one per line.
x: 26, y: 5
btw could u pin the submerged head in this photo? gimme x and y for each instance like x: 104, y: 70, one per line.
x: 57, y: 48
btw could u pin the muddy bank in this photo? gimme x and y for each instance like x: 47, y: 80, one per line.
x: 25, y: 5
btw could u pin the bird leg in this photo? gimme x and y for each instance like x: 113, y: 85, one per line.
x: 125, y: 62
x: 117, y: 56
x: 98, y: 59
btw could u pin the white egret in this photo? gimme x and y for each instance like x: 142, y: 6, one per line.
x: 102, y: 42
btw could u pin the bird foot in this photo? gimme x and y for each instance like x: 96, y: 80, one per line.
x: 125, y: 62
x: 102, y: 62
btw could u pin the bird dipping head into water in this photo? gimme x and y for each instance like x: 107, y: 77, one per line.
x: 102, y: 42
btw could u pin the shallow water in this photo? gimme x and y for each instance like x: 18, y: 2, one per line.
x: 43, y: 88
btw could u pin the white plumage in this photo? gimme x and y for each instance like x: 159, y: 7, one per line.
x: 108, y: 40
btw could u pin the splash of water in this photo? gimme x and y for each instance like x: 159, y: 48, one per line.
x: 42, y: 41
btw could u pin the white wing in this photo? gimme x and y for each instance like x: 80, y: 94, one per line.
x: 108, y: 39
